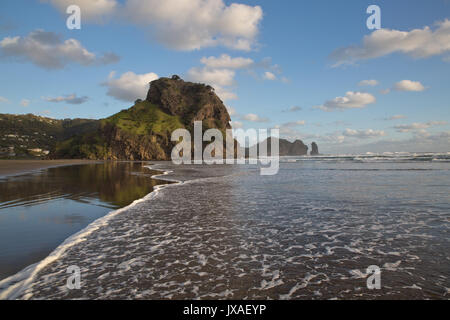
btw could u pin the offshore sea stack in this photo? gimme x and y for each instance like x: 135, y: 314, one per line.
x: 296, y: 148
x: 314, y: 149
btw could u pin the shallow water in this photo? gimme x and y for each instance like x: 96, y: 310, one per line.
x: 40, y: 210
x: 309, y: 232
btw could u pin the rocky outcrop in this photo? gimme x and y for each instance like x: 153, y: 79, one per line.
x: 314, y: 149
x: 190, y: 101
x: 143, y: 132
x: 296, y: 148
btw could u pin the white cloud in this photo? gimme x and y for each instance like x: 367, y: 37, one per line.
x: 25, y: 102
x: 416, y: 126
x: 129, y: 86
x: 236, y: 124
x: 371, y: 83
x: 180, y: 24
x: 292, y: 124
x: 2, y: 99
x: 90, y: 10
x: 408, y: 85
x: 195, y: 24
x: 71, y: 99
x: 352, y: 100
x: 220, y: 77
x: 363, y: 134
x: 219, y: 72
x: 227, y: 62
x: 269, y: 76
x: 396, y: 117
x: 332, y: 138
x: 231, y: 111
x: 417, y: 43
x: 251, y: 117
x: 418, y: 143
x: 47, y: 50
x: 225, y: 94
x: 293, y: 109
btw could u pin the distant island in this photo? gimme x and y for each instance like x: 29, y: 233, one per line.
x: 141, y: 132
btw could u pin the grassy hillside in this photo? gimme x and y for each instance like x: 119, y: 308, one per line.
x: 24, y: 136
x: 145, y: 118
x: 129, y: 134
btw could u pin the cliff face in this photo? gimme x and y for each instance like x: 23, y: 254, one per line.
x: 143, y: 132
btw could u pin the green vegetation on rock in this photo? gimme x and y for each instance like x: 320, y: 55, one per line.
x: 145, y: 118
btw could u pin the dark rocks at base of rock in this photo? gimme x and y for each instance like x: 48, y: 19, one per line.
x: 314, y: 149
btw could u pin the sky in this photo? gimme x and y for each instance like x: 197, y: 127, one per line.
x: 312, y: 69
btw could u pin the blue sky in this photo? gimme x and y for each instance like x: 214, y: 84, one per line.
x: 294, y: 65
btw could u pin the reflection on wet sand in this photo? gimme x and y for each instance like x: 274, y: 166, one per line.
x: 117, y: 184
x: 39, y: 210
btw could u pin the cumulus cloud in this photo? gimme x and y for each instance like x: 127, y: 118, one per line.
x: 351, y: 100
x: 129, y: 86
x: 195, y: 24
x: 180, y: 24
x: 269, y: 76
x: 220, y: 72
x: 363, y: 134
x: 70, y: 99
x: 236, y: 124
x: 371, y: 83
x: 251, y: 117
x: 417, y: 43
x: 90, y: 10
x: 226, y: 62
x: 416, y: 126
x: 225, y: 94
x: 49, y: 51
x: 220, y: 77
x: 408, y: 85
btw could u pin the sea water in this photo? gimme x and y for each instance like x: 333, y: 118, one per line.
x: 225, y: 232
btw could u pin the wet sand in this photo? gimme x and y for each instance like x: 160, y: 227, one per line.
x: 14, y: 167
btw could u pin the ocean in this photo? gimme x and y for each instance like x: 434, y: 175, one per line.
x: 226, y: 232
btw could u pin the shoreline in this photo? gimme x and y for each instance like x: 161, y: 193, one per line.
x: 12, y: 287
x: 17, y: 167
